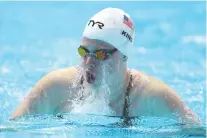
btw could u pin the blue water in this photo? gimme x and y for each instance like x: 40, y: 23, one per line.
x: 22, y: 66
x: 32, y: 45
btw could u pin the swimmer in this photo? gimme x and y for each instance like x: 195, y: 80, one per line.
x: 103, y: 60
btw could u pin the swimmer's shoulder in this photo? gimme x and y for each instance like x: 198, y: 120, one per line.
x: 71, y: 71
x: 146, y: 84
x: 48, y: 94
x: 149, y: 93
x: 64, y: 75
x: 56, y: 86
x: 61, y: 78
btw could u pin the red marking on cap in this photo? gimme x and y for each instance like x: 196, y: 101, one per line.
x: 128, y: 22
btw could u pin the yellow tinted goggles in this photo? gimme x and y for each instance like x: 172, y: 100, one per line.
x: 101, y: 54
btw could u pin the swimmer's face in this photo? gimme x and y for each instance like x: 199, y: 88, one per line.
x: 96, y: 69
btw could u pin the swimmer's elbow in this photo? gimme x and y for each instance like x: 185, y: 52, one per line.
x: 16, y: 115
x: 182, y: 112
x: 21, y: 110
x: 37, y: 101
x: 33, y: 104
x: 188, y: 117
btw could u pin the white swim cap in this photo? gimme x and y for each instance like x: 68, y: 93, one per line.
x: 113, y: 26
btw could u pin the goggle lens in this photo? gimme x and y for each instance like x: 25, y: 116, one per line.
x: 81, y: 51
x: 100, y: 55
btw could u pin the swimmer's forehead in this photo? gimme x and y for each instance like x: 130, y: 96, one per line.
x: 96, y: 44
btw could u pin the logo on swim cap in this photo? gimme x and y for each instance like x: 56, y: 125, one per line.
x: 126, y: 35
x: 128, y: 22
x: 100, y: 25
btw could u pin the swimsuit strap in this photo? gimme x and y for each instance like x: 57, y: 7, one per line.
x: 126, y: 103
x: 81, y: 83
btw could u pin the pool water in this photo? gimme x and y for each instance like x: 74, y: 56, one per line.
x: 34, y: 41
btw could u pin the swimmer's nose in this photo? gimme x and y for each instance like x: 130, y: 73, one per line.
x: 90, y: 60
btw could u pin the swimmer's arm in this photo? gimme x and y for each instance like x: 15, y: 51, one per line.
x: 183, y: 113
x: 42, y: 98
x: 191, y: 124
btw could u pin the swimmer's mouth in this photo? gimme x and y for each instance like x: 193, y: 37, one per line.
x: 90, y: 77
